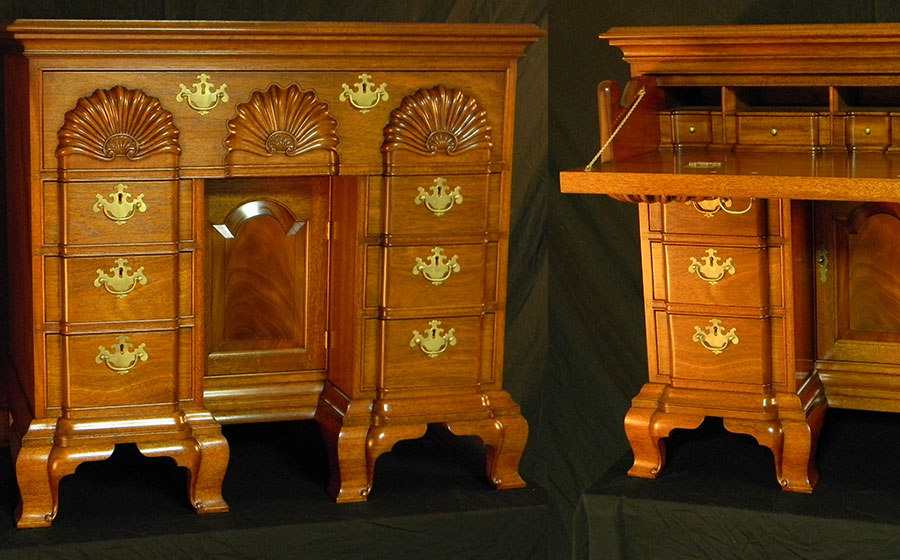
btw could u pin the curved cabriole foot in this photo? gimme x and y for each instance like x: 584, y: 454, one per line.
x: 53, y: 450
x: 505, y: 438
x: 646, y: 426
x: 344, y: 424
x: 205, y: 484
x: 801, y: 425
x: 39, y: 499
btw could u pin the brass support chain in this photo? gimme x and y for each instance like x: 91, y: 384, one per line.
x: 609, y: 140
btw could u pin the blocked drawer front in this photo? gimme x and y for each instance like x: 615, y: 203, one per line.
x: 438, y: 204
x: 98, y: 381
x: 201, y: 136
x: 716, y: 275
x: 433, y: 352
x: 719, y: 216
x: 120, y: 288
x: 106, y: 213
x: 720, y: 349
x: 435, y: 276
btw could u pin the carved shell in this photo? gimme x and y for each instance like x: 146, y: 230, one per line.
x: 282, y: 120
x: 118, y: 122
x: 437, y: 120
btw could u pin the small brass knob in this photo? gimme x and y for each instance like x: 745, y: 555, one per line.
x: 692, y: 129
x: 774, y: 132
x: 867, y: 130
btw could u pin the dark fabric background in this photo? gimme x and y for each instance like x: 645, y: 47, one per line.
x: 597, y: 346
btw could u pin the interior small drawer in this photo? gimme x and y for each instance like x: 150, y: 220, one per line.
x: 721, y: 349
x: 120, y: 288
x: 440, y: 204
x: 432, y: 351
x: 716, y: 216
x: 433, y: 276
x: 108, y: 213
x: 115, y: 370
x: 777, y: 129
x: 871, y: 132
x: 709, y: 275
x: 691, y: 128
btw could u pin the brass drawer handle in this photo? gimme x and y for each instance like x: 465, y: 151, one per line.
x: 120, y: 281
x: 366, y: 95
x: 120, y: 207
x: 203, y: 99
x: 715, y: 339
x: 434, y: 342
x: 711, y: 268
x: 441, y: 199
x: 692, y: 129
x: 711, y: 206
x: 438, y: 268
x: 867, y: 131
x: 774, y: 132
x: 121, y: 358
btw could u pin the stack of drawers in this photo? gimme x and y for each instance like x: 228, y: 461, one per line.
x: 722, y: 331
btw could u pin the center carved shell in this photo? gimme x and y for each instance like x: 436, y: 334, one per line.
x: 280, y: 120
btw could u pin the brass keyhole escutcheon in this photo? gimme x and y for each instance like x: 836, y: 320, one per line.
x: 716, y: 339
x: 204, y: 98
x: 436, y: 268
x: 711, y: 206
x: 822, y: 265
x: 441, y: 198
x: 120, y: 281
x: 434, y: 342
x: 122, y: 356
x: 711, y: 268
x: 366, y: 95
x: 120, y: 207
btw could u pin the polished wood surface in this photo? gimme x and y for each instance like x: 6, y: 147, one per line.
x: 274, y: 250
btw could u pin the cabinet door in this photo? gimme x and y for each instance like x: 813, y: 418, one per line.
x: 858, y: 301
x: 267, y: 254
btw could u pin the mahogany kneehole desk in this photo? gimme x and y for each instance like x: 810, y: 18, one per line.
x: 217, y: 222
x: 765, y: 161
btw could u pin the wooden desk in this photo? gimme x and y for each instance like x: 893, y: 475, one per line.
x: 231, y: 222
x: 765, y: 162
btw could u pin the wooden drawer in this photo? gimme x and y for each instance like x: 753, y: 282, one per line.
x: 439, y: 205
x: 201, y: 136
x: 744, y: 360
x: 92, y: 384
x: 777, y: 130
x: 90, y: 222
x: 868, y: 132
x: 407, y: 366
x: 120, y: 288
x: 416, y: 279
x: 691, y: 128
x: 730, y: 276
x: 719, y: 216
